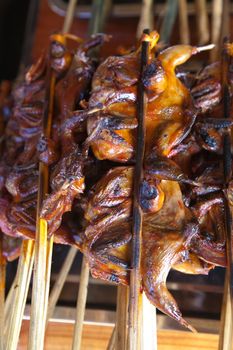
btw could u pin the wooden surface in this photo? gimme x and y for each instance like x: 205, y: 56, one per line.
x: 59, y: 337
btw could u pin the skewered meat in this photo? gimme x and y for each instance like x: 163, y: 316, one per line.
x: 96, y: 119
x: 170, y: 231
x: 170, y: 110
x: 25, y: 144
x: 67, y: 179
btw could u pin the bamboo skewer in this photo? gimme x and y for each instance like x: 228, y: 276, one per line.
x: 9, y: 302
x: 44, y: 246
x: 81, y: 305
x: 69, y: 16
x: 100, y: 10
x: 169, y: 20
x: 121, y: 317
x: 216, y: 27
x: 225, y: 336
x: 2, y: 291
x: 112, y: 340
x: 49, y: 249
x: 135, y: 296
x: 147, y: 17
x: 225, y: 21
x: 60, y: 281
x: 42, y: 266
x: 183, y: 21
x: 202, y: 22
x: 19, y: 291
x: 49, y: 255
x: 149, y: 325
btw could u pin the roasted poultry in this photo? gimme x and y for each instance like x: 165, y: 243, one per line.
x: 25, y: 145
x: 94, y: 132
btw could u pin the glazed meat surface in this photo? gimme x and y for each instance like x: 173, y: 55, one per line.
x: 91, y: 158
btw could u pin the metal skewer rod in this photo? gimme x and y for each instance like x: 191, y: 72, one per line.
x: 135, y: 295
x: 225, y: 339
x: 2, y: 291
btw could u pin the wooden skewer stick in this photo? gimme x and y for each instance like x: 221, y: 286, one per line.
x: 2, y: 291
x: 42, y: 265
x: 49, y: 255
x: 9, y: 302
x: 147, y: 17
x: 202, y: 22
x: 20, y: 291
x: 100, y: 10
x: 149, y: 325
x: 60, y: 281
x: 118, y: 340
x: 225, y: 336
x: 169, y: 20
x: 216, y: 21
x: 121, y: 318
x: 225, y: 21
x: 135, y: 300
x: 81, y: 305
x: 69, y: 16
x: 49, y: 249
x: 112, y: 340
x: 183, y: 21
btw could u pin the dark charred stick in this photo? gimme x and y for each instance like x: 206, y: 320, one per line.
x: 135, y: 315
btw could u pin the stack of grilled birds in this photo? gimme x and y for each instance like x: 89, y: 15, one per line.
x: 91, y: 157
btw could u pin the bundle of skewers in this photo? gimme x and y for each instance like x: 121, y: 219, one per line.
x: 127, y: 160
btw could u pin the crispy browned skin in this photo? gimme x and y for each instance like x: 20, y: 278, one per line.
x: 67, y: 179
x: 181, y: 192
x: 169, y: 229
x: 26, y: 146
x: 170, y: 111
x: 179, y: 226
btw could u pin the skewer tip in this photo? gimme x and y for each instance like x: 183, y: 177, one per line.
x: 205, y: 48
